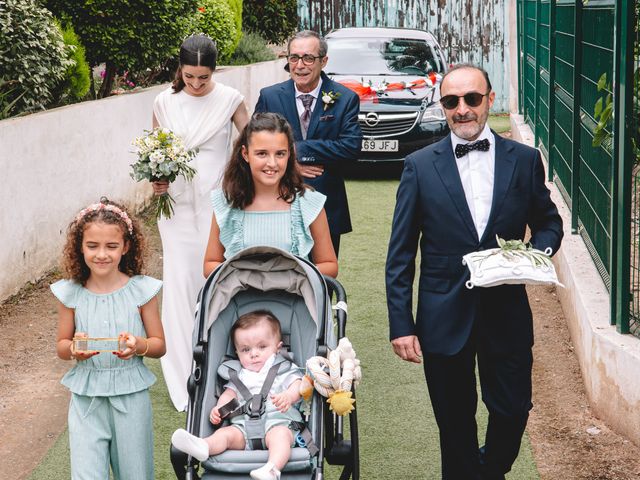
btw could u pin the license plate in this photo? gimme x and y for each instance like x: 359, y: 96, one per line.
x: 379, y: 145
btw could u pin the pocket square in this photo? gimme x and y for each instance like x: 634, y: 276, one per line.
x: 326, y: 118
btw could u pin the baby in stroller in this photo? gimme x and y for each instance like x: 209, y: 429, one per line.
x: 260, y: 368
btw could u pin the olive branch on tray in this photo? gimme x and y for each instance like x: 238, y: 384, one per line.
x: 514, y: 249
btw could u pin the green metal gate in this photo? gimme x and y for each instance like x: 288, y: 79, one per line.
x: 594, y: 176
x: 565, y: 47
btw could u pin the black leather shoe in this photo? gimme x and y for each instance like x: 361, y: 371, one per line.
x: 485, y: 474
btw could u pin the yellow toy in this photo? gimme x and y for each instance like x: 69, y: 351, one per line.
x: 333, y: 377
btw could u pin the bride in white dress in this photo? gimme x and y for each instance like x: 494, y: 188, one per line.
x: 201, y: 112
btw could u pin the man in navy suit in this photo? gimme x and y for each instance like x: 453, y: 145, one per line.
x: 325, y: 127
x: 454, y: 197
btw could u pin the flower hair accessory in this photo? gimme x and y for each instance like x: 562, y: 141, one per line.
x: 95, y: 207
x: 200, y: 34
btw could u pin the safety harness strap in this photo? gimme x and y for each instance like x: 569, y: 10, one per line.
x: 304, y: 438
x: 254, y: 407
x: 230, y: 409
x: 242, y: 388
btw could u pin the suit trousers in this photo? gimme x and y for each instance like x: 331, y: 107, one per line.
x: 111, y: 431
x: 505, y: 382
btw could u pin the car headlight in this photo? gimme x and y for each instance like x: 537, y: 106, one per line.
x: 433, y: 113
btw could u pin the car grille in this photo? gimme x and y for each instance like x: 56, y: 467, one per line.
x: 389, y: 124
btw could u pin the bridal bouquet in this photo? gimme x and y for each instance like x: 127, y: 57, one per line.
x: 162, y: 156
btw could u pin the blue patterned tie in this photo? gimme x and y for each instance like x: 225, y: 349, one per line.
x: 305, y: 118
x: 463, y: 148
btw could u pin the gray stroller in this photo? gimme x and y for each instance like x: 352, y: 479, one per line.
x: 300, y: 297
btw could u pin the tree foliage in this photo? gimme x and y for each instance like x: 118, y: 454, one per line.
x: 236, y: 8
x: 275, y: 20
x: 215, y: 18
x: 77, y: 78
x: 33, y: 56
x: 127, y: 34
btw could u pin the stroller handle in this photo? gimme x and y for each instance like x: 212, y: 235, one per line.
x: 335, y: 287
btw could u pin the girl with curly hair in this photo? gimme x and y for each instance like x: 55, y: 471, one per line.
x: 105, y: 296
x: 264, y: 202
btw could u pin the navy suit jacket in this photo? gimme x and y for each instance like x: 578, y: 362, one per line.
x: 431, y: 208
x: 333, y: 137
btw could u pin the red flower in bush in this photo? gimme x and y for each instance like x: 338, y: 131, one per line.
x: 201, y: 9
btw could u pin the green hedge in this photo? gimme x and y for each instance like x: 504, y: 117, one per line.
x: 236, y: 8
x: 33, y: 56
x: 251, y: 49
x: 215, y: 18
x: 133, y: 35
x: 77, y: 78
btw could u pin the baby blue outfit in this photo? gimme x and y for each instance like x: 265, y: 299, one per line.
x: 254, y: 381
x: 288, y: 230
x: 110, y: 411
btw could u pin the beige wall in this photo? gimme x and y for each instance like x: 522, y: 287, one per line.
x: 58, y: 161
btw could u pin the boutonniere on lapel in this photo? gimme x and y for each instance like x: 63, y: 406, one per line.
x: 329, y: 98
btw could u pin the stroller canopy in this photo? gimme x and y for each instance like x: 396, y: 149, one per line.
x: 265, y: 268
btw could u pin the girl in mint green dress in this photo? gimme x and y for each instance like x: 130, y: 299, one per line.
x: 106, y: 297
x: 264, y: 202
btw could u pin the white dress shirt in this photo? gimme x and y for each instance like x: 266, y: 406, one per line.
x: 254, y: 380
x: 314, y: 93
x: 477, y: 171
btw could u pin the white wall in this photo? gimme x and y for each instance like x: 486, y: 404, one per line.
x: 56, y: 162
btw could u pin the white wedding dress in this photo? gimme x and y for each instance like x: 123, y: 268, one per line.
x: 204, y: 123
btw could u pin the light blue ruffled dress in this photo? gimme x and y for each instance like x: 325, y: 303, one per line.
x: 110, y: 411
x: 288, y: 230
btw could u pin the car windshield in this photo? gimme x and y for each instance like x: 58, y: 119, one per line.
x: 384, y: 56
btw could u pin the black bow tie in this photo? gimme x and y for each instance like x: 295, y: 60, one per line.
x: 463, y: 148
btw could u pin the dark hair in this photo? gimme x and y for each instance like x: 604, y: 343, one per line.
x: 237, y: 182
x: 322, y: 48
x: 131, y: 263
x: 197, y: 50
x: 461, y: 66
x: 251, y: 319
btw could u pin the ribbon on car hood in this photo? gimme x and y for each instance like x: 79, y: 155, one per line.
x: 368, y: 91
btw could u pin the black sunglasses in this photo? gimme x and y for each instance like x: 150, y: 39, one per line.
x: 472, y: 99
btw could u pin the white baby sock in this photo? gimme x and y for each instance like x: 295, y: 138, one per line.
x: 266, y: 472
x: 187, y: 443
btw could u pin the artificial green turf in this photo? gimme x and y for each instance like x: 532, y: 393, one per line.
x: 55, y: 465
x: 398, y: 435
x: 500, y: 122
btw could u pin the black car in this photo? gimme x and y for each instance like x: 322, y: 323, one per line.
x: 396, y: 72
